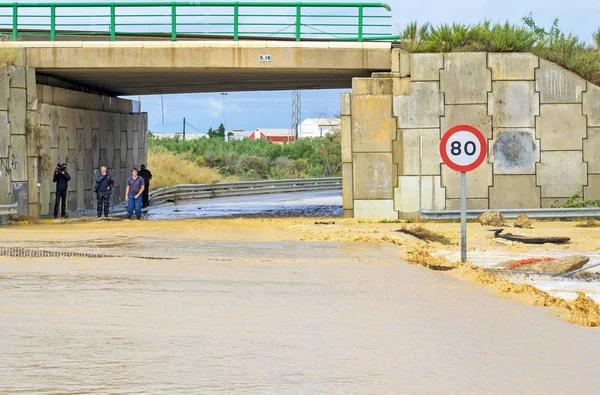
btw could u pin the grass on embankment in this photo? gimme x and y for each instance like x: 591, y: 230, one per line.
x: 169, y: 169
x: 566, y: 50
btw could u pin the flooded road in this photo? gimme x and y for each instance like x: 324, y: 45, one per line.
x: 247, y: 307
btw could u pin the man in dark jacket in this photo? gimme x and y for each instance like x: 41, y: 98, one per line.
x: 104, y: 184
x: 147, y: 176
x: 61, y: 178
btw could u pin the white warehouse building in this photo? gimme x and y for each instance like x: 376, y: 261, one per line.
x: 318, y: 127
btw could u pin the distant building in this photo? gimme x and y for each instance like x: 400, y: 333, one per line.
x: 318, y: 127
x: 278, y: 136
x: 237, y: 134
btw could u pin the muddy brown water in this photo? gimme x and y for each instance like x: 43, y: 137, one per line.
x: 250, y: 316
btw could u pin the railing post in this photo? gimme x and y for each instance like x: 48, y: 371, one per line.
x: 15, y: 32
x: 236, y: 19
x: 298, y: 22
x: 113, y: 27
x: 360, y: 23
x: 173, y: 22
x: 52, y: 23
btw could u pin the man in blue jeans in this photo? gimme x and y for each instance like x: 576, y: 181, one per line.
x: 133, y: 194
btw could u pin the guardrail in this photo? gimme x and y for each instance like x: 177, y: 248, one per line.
x: 7, y: 209
x: 224, y: 189
x: 234, y: 19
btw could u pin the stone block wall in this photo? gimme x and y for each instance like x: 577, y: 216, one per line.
x: 541, y: 122
x: 42, y: 125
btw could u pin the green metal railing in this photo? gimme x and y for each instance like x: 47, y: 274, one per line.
x: 236, y: 20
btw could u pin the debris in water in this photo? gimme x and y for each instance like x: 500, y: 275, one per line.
x: 425, y: 235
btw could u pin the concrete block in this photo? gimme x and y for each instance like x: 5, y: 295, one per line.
x: 346, y: 142
x: 52, y: 200
x: 422, y: 109
x: 16, y: 74
x: 80, y: 148
x: 18, y: 158
x: 373, y: 176
x: 110, y: 151
x: 409, y: 157
x: 347, y: 195
x: 103, y: 159
x: 406, y: 196
x: 80, y: 190
x: 45, y: 188
x: 375, y: 209
x: 88, y: 168
x: 4, y: 89
x: 4, y: 134
x: 95, y: 148
x: 557, y: 85
x: 516, y: 191
x: 33, y: 180
x: 478, y: 182
x: 404, y: 64
x: 373, y: 126
x: 95, y: 118
x: 89, y: 201
x: 4, y: 184
x: 348, y: 214
x: 103, y: 130
x: 371, y: 86
x: 396, y: 60
x: 475, y: 115
x: 71, y: 202
x: 117, y: 195
x: 63, y: 144
x: 71, y: 125
x: 561, y: 173
x: 591, y: 105
x: 345, y: 103
x: 34, y: 210
x: 32, y: 100
x: 514, y: 151
x: 401, y: 87
x: 54, y: 127
x: 32, y: 143
x: 465, y: 78
x: 135, y: 149
x: 591, y: 150
x: 514, y: 104
x: 130, y: 163
x: 592, y: 190
x: 426, y: 66
x: 54, y: 157
x: 18, y: 194
x: 17, y: 110
x: 45, y: 114
x: 472, y: 204
x: 87, y: 129
x: 561, y: 127
x: 513, y: 66
x: 117, y: 131
x: 128, y: 124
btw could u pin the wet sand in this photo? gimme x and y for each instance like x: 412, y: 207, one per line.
x: 268, y: 306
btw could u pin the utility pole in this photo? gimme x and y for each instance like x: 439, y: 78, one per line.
x: 183, y: 129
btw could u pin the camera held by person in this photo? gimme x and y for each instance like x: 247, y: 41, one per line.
x: 60, y: 168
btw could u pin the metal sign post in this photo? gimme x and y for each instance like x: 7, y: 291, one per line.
x: 463, y: 148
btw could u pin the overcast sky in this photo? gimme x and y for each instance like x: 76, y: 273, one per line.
x: 274, y: 109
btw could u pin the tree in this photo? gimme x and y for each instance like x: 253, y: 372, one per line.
x: 217, y: 133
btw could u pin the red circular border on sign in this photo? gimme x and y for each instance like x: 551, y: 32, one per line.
x: 463, y: 128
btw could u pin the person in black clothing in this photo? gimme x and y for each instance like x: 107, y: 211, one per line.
x: 104, y: 184
x: 147, y: 176
x: 61, y: 178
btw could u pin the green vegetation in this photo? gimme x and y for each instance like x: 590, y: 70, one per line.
x: 588, y: 224
x: 248, y: 159
x: 575, y: 202
x: 554, y: 45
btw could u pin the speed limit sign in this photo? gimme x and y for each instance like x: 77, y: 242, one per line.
x: 463, y: 149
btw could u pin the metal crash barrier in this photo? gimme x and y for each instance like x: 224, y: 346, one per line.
x: 6, y: 210
x: 225, y: 189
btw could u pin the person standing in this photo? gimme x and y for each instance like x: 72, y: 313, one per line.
x: 103, y: 189
x: 147, y: 176
x: 61, y: 178
x: 133, y: 194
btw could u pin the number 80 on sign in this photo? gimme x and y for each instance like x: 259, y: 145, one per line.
x: 463, y: 148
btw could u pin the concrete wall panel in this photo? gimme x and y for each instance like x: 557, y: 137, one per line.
x: 591, y: 105
x: 346, y: 143
x: 4, y: 89
x: 426, y: 66
x: 514, y: 151
x: 32, y: 180
x: 406, y: 196
x: 347, y: 194
x: 32, y: 100
x: 472, y: 204
x: 18, y: 194
x: 372, y: 86
x: 17, y: 110
x: 18, y: 158
x: 4, y: 134
x: 345, y: 103
x: 16, y: 74
x: 591, y: 150
x: 561, y: 127
x: 376, y: 209
x: 372, y: 124
x: 513, y: 66
x: 518, y: 191
x: 557, y: 85
x: 465, y: 78
x: 475, y: 115
x: 63, y: 144
x: 514, y: 104
x: 410, y: 151
x: 478, y: 181
x: 592, y: 190
x: 566, y: 166
x: 4, y: 184
x: 372, y: 176
x: 422, y: 108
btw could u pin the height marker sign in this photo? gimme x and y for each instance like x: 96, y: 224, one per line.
x: 463, y: 148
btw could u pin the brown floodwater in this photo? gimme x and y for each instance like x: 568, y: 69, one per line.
x: 244, y: 309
